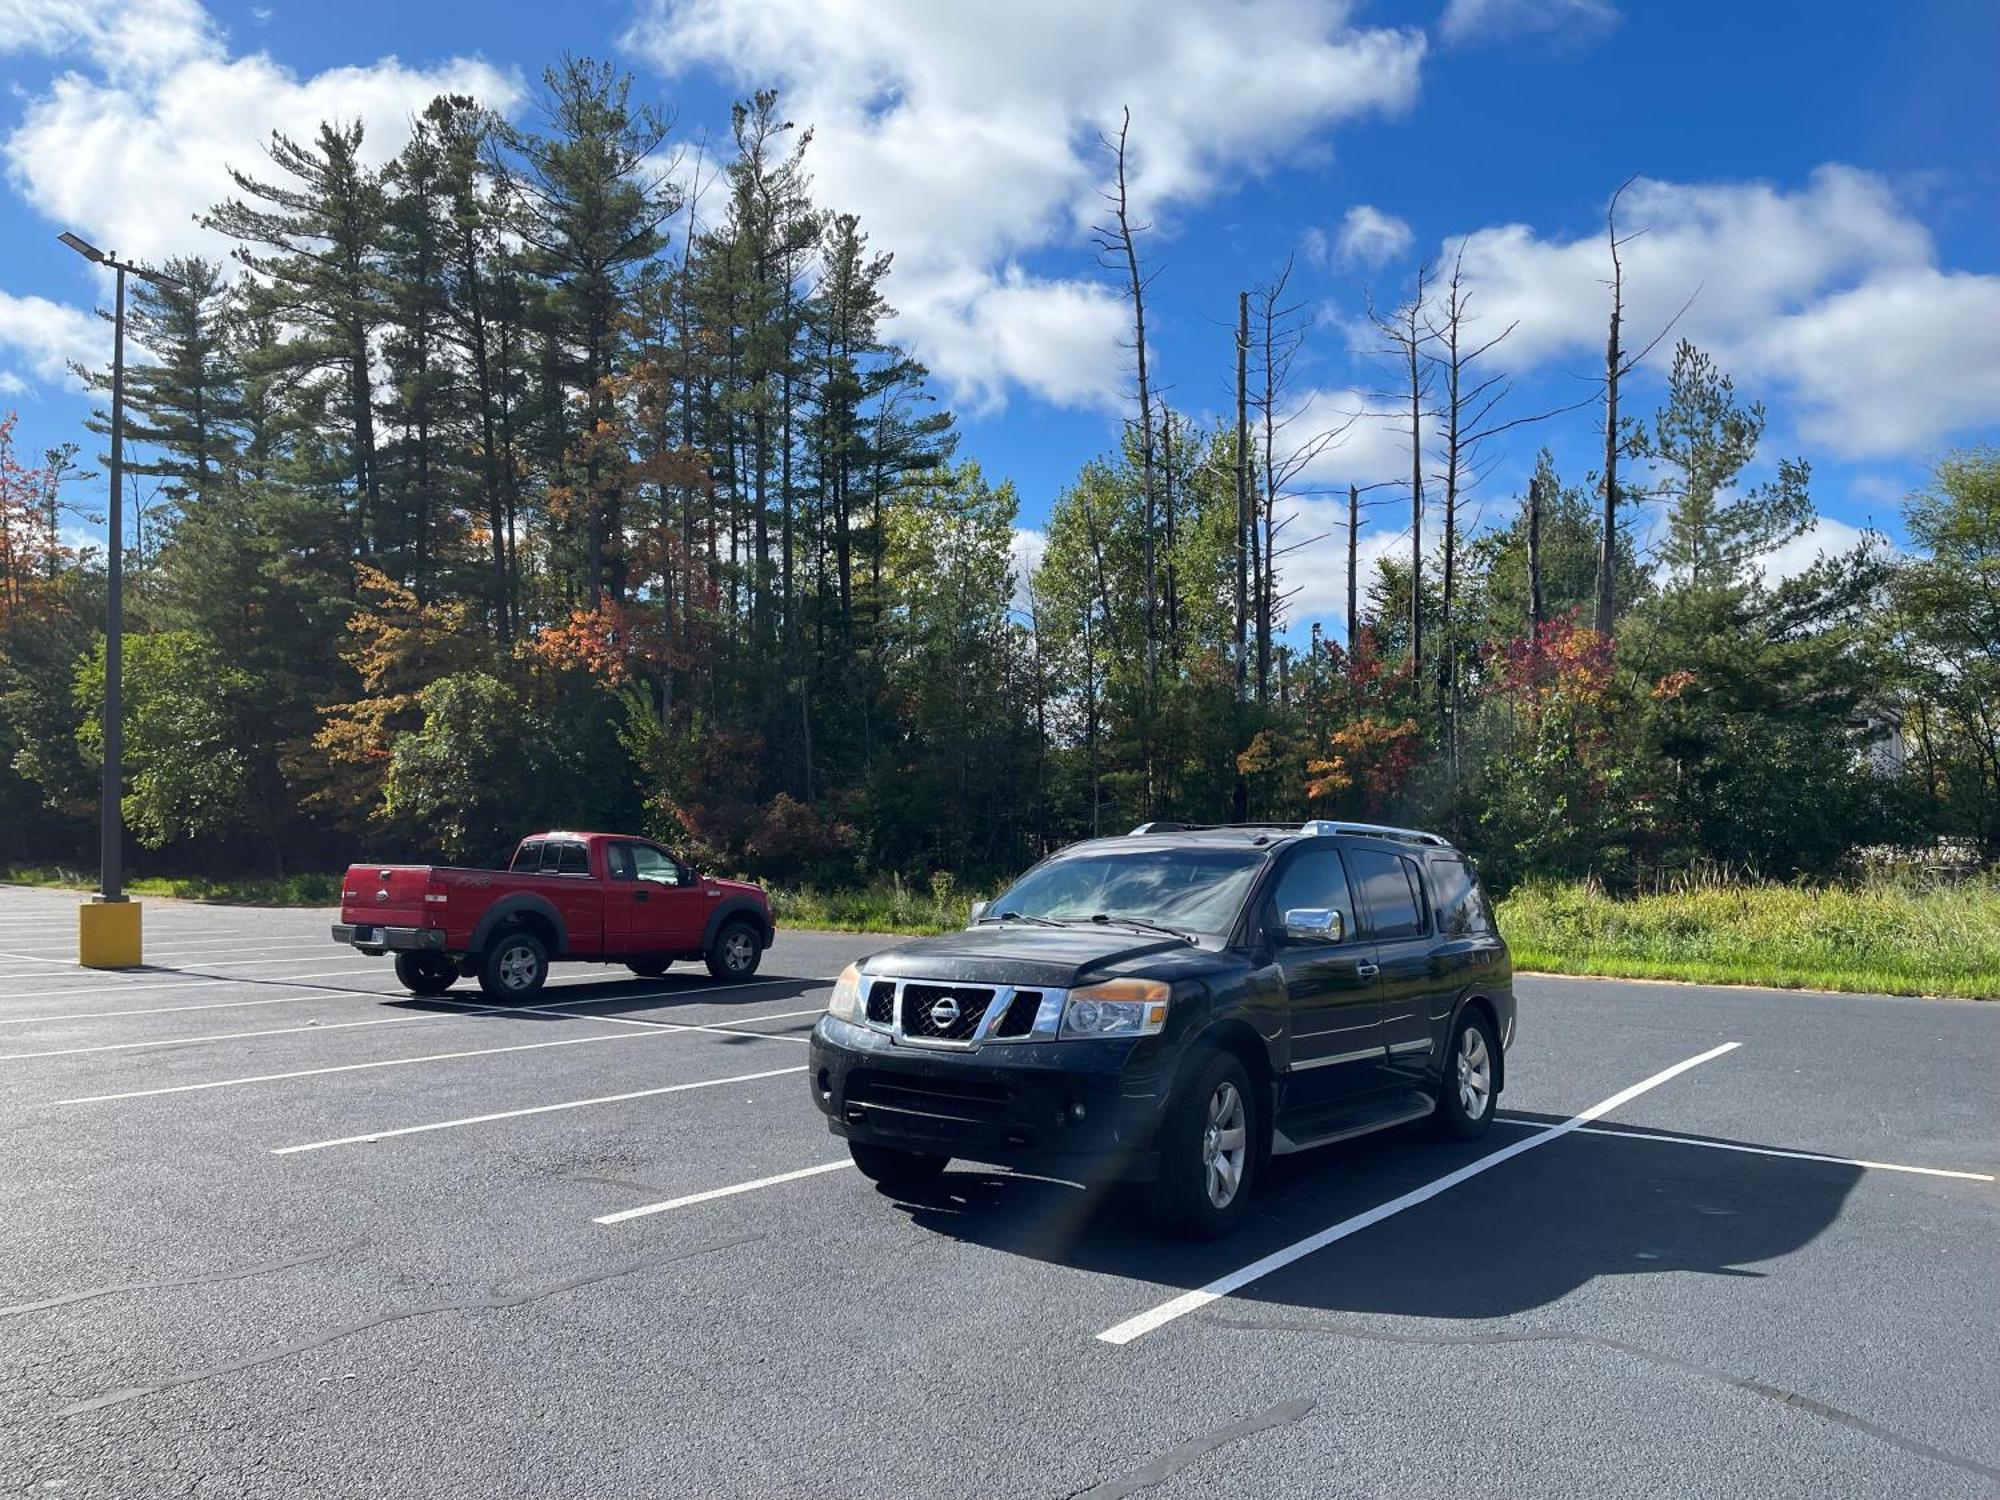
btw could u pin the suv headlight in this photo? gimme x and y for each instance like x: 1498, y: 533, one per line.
x: 1118, y: 1007
x: 845, y: 1001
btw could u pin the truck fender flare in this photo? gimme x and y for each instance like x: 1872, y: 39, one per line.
x: 518, y: 904
x: 733, y: 908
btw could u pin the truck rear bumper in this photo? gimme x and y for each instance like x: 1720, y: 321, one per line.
x: 384, y: 939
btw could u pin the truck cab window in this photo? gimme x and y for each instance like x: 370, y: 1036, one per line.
x: 655, y: 865
x: 618, y: 861
x: 573, y: 860
x: 527, y: 859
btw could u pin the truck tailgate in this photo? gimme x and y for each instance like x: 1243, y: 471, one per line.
x: 385, y: 895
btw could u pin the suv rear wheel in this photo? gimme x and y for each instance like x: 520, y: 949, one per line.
x: 1208, y: 1148
x: 893, y: 1168
x: 514, y: 966
x: 1471, y: 1078
x: 425, y: 973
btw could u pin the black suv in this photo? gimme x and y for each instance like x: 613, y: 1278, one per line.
x: 1175, y: 1007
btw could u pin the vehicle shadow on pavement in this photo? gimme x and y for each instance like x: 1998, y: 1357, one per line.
x: 1541, y: 1226
x: 635, y: 999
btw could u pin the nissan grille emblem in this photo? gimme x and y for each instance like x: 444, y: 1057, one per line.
x: 944, y: 1013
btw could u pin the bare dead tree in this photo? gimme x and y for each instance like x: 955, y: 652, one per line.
x: 1294, y: 438
x: 1467, y: 416
x: 1409, y: 341
x: 1119, y: 247
x: 1242, y: 492
x: 1535, y: 558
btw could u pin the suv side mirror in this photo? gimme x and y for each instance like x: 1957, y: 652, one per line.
x: 1314, y: 924
x: 978, y: 911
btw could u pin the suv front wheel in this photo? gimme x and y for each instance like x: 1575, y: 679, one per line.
x: 1208, y: 1150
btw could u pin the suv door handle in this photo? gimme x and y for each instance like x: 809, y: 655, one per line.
x: 1366, y: 970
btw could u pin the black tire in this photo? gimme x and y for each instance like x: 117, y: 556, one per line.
x: 514, y: 966
x: 896, y: 1169
x: 1465, y: 1108
x: 735, y: 953
x: 1194, y: 1159
x: 649, y: 968
x: 426, y: 973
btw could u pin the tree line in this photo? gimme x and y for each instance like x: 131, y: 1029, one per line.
x: 564, y: 474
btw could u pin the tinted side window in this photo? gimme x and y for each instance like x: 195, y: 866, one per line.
x: 574, y: 860
x: 618, y: 861
x: 527, y: 858
x: 1461, y: 904
x: 1313, y: 879
x: 1395, y: 909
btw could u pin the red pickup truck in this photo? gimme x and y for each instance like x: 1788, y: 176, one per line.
x: 598, y: 897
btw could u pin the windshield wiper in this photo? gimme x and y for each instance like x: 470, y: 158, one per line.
x: 1143, y: 925
x: 1019, y: 916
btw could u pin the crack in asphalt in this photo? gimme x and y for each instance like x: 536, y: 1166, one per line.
x: 492, y: 1302
x: 1178, y: 1457
x: 241, y: 1274
x: 1795, y: 1399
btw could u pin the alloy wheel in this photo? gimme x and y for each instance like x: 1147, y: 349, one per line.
x: 517, y: 967
x: 1225, y: 1143
x: 1475, y: 1072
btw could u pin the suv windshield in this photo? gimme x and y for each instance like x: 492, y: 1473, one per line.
x: 1189, y: 890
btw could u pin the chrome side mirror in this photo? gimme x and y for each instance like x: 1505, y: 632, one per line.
x: 978, y: 911
x: 1314, y: 924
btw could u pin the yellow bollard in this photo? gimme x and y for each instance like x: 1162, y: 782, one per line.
x: 107, y: 934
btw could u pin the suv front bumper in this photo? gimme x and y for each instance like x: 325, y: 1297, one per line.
x: 1082, y: 1110
x: 383, y: 939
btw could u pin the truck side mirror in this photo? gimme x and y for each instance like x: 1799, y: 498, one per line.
x: 1314, y: 924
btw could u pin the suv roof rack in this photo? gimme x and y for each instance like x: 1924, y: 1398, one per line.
x: 1168, y: 826
x: 1375, y: 830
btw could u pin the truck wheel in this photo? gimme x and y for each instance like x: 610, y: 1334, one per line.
x: 514, y: 966
x: 1208, y: 1150
x: 736, y: 952
x: 425, y: 973
x: 649, y: 968
x: 893, y: 1168
x: 1471, y: 1071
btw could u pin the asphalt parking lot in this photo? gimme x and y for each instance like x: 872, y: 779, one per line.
x: 270, y: 1227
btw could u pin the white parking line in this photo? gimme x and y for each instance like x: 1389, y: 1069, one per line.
x: 722, y: 1192
x: 538, y: 1109
x: 1841, y: 1161
x: 191, y: 979
x: 639, y: 1033
x: 321, y: 993
x: 1137, y: 1327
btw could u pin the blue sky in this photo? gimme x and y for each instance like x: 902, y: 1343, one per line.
x: 1819, y: 176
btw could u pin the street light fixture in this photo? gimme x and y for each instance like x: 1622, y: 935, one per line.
x: 108, y: 926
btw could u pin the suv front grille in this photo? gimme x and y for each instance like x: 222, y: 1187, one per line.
x: 881, y: 1001
x: 1021, y: 1011
x: 943, y: 1013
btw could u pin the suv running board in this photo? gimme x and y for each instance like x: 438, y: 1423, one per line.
x: 1326, y: 1127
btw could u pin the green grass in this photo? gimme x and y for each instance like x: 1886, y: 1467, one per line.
x: 1879, y: 937
x: 887, y: 906
x: 321, y: 889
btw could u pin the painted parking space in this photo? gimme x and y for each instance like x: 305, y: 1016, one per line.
x: 617, y: 1229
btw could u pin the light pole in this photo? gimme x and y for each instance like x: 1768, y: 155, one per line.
x: 108, y: 931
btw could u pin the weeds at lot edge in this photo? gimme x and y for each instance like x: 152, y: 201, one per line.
x: 1879, y: 937
x: 321, y: 889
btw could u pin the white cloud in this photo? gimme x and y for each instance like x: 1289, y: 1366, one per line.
x: 1368, y: 237
x: 1029, y: 546
x: 1566, y: 20
x: 130, y: 156
x: 48, y: 335
x: 11, y: 384
x: 1826, y: 537
x: 966, y: 138
x: 1828, y: 292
